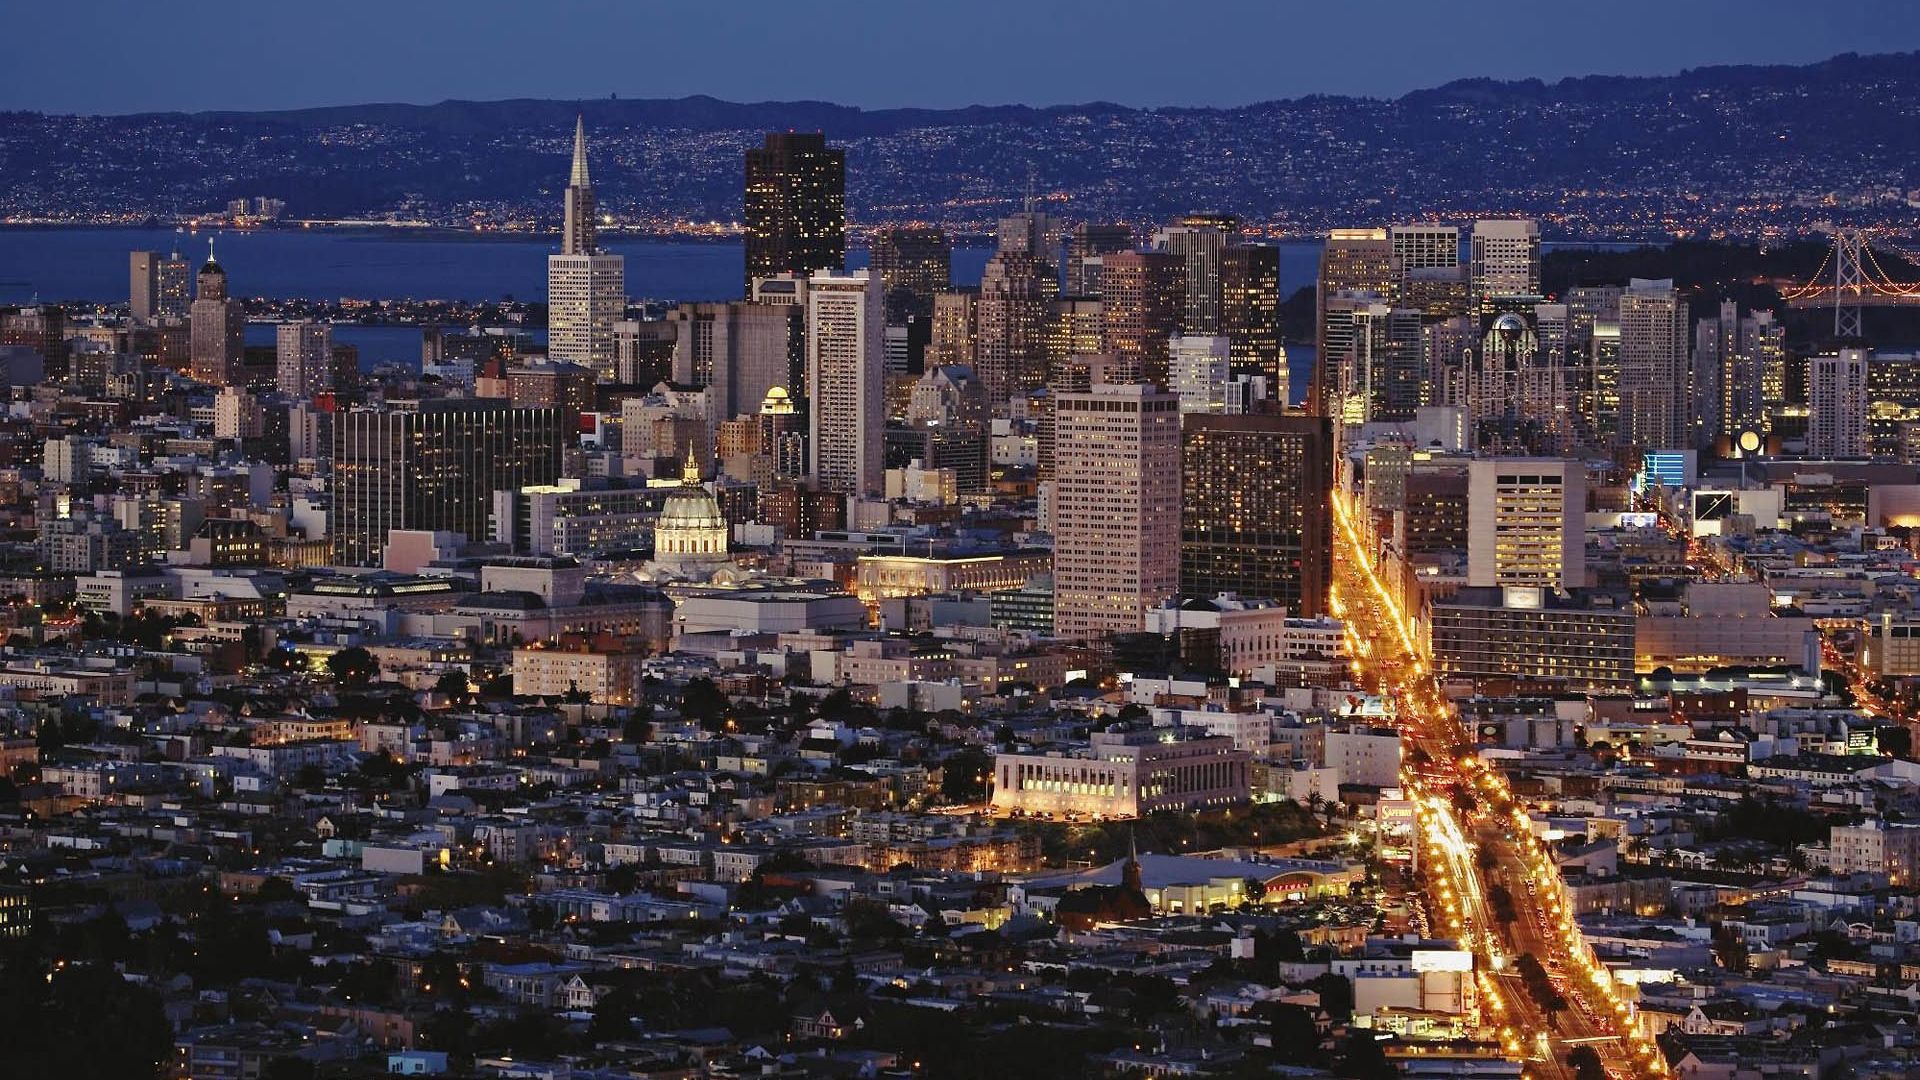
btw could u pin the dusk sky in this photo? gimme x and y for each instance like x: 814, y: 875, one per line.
x: 115, y: 56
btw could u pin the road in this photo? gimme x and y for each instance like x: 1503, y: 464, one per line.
x: 1474, y: 838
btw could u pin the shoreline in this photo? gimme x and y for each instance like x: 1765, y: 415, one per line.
x: 453, y: 233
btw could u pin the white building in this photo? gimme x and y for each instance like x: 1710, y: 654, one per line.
x: 1506, y: 258
x: 845, y: 382
x: 586, y: 289
x: 1200, y: 372
x: 1526, y: 523
x: 1837, y: 400
x: 1124, y: 774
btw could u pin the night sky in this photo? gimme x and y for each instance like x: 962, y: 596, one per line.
x: 123, y: 56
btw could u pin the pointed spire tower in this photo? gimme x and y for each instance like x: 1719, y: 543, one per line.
x: 578, y: 230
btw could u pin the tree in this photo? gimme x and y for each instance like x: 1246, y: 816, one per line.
x: 310, y: 777
x: 964, y: 776
x: 702, y: 702
x: 1363, y: 1059
x: 453, y: 686
x: 1585, y: 1063
x: 613, y: 1016
x: 353, y: 666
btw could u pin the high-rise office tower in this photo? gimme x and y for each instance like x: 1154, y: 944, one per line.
x: 1200, y: 367
x: 1837, y: 404
x: 1200, y: 240
x: 1587, y: 307
x: 433, y: 465
x: 1506, y: 259
x: 1375, y: 362
x: 1514, y: 387
x: 1116, y: 516
x: 1738, y: 373
x: 796, y: 206
x: 586, y: 287
x: 1655, y: 400
x: 303, y: 358
x: 956, y: 328
x: 1425, y: 246
x: 157, y: 287
x: 1526, y: 523
x: 845, y: 380
x: 1358, y: 261
x: 1036, y: 233
x: 916, y: 264
x: 1142, y: 297
x: 1076, y: 326
x: 1085, y: 246
x: 219, y: 326
x: 1255, y: 518
x: 1250, y: 313
x: 736, y: 349
x: 1015, y: 300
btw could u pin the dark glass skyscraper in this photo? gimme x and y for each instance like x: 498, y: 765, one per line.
x: 915, y: 264
x: 1255, y: 513
x: 796, y: 206
x: 434, y: 465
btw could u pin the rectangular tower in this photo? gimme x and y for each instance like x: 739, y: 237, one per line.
x: 796, y: 206
x: 1256, y: 517
x: 845, y: 382
x: 1116, y: 536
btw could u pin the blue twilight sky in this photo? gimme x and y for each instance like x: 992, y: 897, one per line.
x: 134, y: 55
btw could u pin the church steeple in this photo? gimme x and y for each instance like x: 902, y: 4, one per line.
x: 577, y: 231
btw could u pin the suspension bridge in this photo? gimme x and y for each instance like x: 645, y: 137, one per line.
x: 1851, y: 278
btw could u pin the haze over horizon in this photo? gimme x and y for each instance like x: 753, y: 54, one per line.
x: 223, y: 55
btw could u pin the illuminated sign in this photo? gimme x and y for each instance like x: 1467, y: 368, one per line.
x: 1442, y: 960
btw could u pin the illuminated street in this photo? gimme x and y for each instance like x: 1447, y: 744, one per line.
x: 1475, y: 839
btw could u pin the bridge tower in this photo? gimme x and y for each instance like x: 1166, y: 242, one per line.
x: 1849, y: 281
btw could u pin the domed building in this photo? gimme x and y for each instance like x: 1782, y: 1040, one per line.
x: 690, y: 538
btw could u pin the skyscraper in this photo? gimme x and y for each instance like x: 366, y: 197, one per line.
x: 956, y: 326
x: 1358, y: 261
x: 1739, y: 376
x: 736, y: 349
x: 1142, y: 299
x: 1200, y: 369
x: 1116, y: 517
x: 1036, y: 233
x: 1425, y: 246
x: 1837, y: 404
x: 219, y: 326
x: 1526, y: 523
x: 1086, y: 244
x: 1506, y: 259
x: 1250, y: 313
x: 1255, y: 517
x: 157, y: 287
x: 1201, y: 241
x: 1015, y: 300
x: 845, y: 381
x: 1655, y: 400
x: 303, y: 358
x: 915, y: 264
x: 586, y: 288
x: 433, y: 465
x: 796, y: 206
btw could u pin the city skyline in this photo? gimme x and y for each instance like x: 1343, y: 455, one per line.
x: 905, y: 66
x: 804, y: 658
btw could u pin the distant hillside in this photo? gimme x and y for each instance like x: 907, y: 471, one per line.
x: 1738, y: 150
